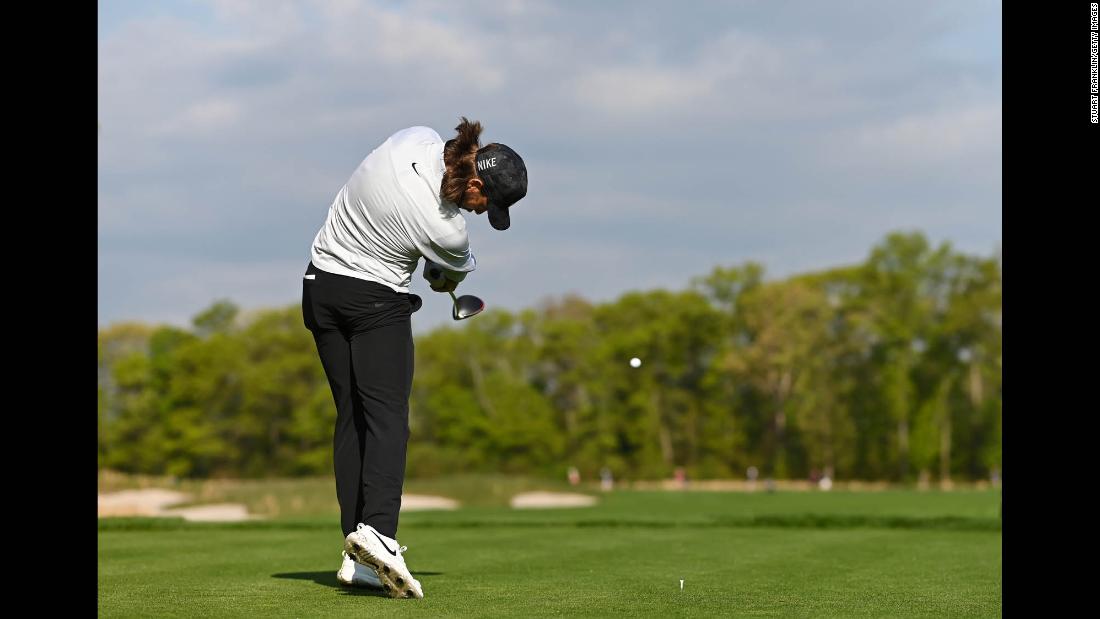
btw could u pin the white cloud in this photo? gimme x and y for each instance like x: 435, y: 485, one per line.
x: 364, y: 37
x: 203, y: 117
x: 733, y: 77
x: 937, y: 136
x: 633, y: 90
x: 268, y: 16
x: 173, y: 289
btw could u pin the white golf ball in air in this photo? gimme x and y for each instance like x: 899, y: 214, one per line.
x: 635, y: 362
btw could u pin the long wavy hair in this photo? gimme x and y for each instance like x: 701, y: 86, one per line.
x: 459, y: 155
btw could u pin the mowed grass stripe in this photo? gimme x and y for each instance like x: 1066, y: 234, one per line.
x: 560, y: 571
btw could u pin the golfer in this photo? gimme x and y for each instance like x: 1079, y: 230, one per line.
x: 404, y: 202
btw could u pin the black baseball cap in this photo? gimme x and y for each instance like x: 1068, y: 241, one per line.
x: 505, y: 177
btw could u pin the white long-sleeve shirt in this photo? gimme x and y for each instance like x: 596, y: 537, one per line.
x: 389, y: 214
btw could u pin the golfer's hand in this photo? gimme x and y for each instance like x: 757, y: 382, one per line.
x: 448, y: 285
x: 436, y: 280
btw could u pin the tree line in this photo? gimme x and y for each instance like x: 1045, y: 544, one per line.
x: 885, y: 370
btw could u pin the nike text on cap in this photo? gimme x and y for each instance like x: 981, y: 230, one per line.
x: 505, y: 177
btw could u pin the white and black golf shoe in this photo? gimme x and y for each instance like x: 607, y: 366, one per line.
x: 382, y: 554
x: 353, y: 574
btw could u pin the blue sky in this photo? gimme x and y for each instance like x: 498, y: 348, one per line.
x: 662, y: 139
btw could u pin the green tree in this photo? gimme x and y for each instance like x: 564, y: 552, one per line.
x: 882, y: 370
x: 218, y: 318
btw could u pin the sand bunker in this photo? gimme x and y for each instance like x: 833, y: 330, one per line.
x: 542, y: 500
x: 156, y: 502
x: 147, y: 502
x: 423, y: 502
x: 221, y: 512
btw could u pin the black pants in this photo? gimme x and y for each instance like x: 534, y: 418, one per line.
x: 363, y: 333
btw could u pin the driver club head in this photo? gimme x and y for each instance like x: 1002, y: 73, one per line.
x: 465, y: 306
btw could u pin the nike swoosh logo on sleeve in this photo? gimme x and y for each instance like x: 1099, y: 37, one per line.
x: 415, y: 170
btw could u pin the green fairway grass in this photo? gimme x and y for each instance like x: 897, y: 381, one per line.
x: 783, y: 554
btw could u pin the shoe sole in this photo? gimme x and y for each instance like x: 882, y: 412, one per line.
x: 360, y: 585
x: 354, y: 583
x: 393, y: 584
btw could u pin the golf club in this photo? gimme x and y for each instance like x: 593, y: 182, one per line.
x: 465, y: 306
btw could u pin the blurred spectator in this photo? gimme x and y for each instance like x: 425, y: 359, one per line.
x: 574, y: 476
x: 607, y: 482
